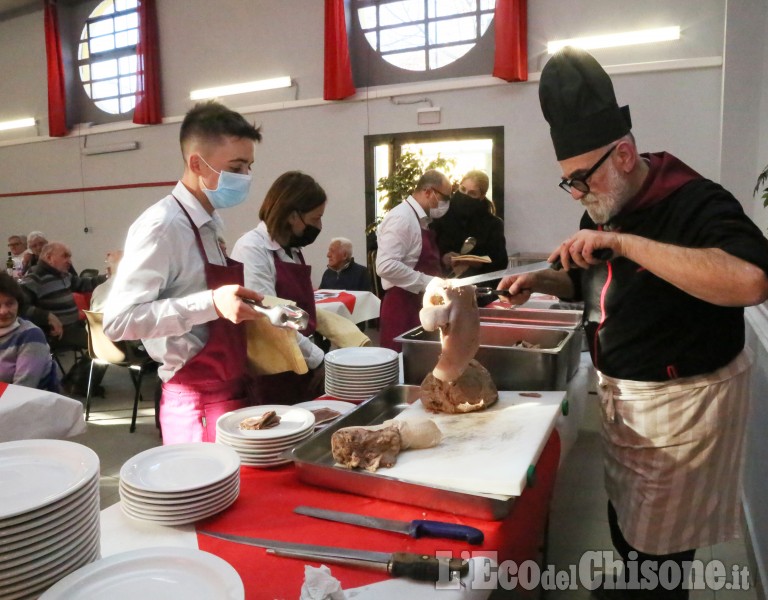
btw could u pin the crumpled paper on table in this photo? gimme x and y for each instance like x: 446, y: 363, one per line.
x: 319, y: 584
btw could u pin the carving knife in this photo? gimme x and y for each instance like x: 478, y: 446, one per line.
x: 422, y: 567
x: 416, y: 528
x: 601, y: 254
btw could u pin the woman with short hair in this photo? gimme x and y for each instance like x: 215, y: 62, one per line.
x: 25, y: 358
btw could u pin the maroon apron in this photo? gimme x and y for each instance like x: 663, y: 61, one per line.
x: 213, y: 381
x: 400, y: 308
x: 292, y: 282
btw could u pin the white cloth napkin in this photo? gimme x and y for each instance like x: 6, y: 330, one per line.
x: 319, y: 584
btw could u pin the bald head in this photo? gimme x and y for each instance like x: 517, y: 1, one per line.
x: 57, y: 255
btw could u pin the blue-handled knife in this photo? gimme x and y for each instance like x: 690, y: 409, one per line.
x: 416, y: 528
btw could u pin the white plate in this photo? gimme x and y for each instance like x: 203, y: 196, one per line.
x: 172, y: 499
x: 36, y: 473
x: 51, y: 531
x: 362, y: 382
x: 47, y: 577
x: 31, y: 522
x: 180, y: 467
x: 152, y: 511
x: 358, y: 375
x: 181, y: 496
x: 292, y: 421
x: 183, y: 518
x: 77, y: 532
x: 360, y: 357
x: 152, y: 574
x: 171, y: 508
x: 50, y: 561
x: 274, y: 444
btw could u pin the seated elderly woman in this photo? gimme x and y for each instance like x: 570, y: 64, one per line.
x: 25, y: 358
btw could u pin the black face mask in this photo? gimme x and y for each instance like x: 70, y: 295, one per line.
x: 308, y: 236
x: 466, y: 206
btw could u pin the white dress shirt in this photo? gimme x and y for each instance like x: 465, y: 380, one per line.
x: 399, y: 241
x: 255, y: 249
x: 160, y: 294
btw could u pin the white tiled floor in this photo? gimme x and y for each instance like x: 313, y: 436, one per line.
x: 578, y: 520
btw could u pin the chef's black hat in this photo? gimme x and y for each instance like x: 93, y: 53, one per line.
x: 578, y: 102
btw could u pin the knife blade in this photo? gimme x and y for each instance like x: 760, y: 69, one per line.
x: 522, y: 269
x: 557, y: 265
x: 416, y: 528
x: 422, y: 567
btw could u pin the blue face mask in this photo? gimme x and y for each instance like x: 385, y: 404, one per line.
x: 232, y: 189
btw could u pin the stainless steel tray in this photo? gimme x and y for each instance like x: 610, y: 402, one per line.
x: 547, y: 366
x: 315, y: 465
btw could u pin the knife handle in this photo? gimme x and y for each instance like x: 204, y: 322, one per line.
x: 441, y: 529
x: 424, y: 567
x: 599, y: 254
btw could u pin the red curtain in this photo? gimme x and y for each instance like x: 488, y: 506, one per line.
x: 148, y: 111
x: 338, y: 69
x: 511, y: 60
x: 57, y: 99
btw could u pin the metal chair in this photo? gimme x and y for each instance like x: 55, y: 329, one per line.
x: 104, y: 351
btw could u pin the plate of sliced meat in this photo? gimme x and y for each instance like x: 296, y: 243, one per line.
x: 326, y: 411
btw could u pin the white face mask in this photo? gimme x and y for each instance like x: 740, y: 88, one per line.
x: 442, y: 208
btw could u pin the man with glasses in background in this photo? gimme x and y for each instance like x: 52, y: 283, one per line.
x: 17, y: 245
x: 408, y: 258
x: 664, y: 322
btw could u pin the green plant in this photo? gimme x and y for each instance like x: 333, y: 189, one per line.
x: 401, y: 181
x: 761, y: 181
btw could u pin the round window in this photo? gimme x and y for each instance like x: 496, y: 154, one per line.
x: 423, y: 35
x: 107, y: 55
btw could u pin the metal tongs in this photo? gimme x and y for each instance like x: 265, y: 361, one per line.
x: 287, y: 316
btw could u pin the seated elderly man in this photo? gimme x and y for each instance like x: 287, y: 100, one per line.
x: 17, y: 246
x: 343, y: 273
x: 48, y: 288
x: 35, y: 242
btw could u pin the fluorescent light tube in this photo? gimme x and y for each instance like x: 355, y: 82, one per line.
x: 91, y: 150
x: 613, y: 40
x: 17, y: 124
x: 241, y: 88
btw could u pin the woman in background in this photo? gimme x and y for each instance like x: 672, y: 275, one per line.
x: 25, y: 358
x: 291, y: 218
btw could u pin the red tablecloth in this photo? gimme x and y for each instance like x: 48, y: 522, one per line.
x: 345, y: 298
x: 265, y: 509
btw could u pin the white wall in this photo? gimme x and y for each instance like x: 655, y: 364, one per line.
x: 211, y: 43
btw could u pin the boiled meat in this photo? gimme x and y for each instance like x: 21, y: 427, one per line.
x: 366, y: 447
x: 454, y: 311
x: 377, y: 446
x: 473, y: 390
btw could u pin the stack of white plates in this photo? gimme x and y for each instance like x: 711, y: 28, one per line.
x: 152, y: 574
x: 180, y: 483
x: 356, y: 374
x: 49, y: 514
x: 265, y: 447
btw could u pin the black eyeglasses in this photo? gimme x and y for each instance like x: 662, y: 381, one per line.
x: 444, y: 197
x: 580, y: 183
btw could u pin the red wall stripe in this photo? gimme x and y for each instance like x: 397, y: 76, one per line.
x: 97, y: 188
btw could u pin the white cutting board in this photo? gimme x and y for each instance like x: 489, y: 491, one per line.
x: 486, y: 452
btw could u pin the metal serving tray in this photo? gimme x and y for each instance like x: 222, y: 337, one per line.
x: 535, y: 317
x: 512, y: 367
x: 315, y: 465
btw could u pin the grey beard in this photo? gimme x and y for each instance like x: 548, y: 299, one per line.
x: 603, y: 207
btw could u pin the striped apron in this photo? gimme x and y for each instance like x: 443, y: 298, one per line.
x: 674, y: 456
